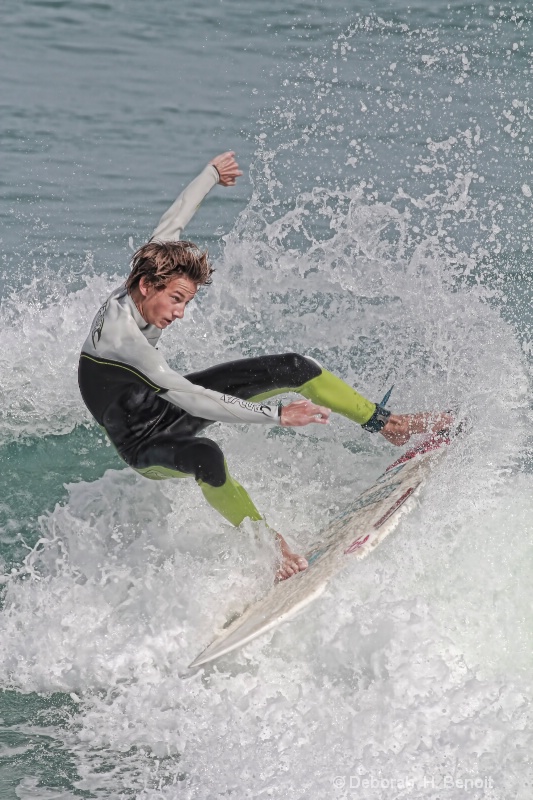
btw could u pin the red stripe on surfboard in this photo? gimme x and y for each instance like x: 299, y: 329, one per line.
x: 400, y: 501
x: 364, y: 539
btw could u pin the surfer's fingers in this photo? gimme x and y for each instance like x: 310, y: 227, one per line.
x: 227, y: 168
x: 397, y: 430
x: 444, y: 419
x: 320, y: 415
x: 303, y: 412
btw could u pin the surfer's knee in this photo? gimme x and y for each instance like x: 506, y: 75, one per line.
x: 210, y: 466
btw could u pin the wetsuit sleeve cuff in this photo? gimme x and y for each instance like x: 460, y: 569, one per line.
x: 378, y: 420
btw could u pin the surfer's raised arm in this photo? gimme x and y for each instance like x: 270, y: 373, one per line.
x: 222, y: 169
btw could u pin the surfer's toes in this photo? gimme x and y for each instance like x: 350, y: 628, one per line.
x: 302, y: 563
x: 290, y: 565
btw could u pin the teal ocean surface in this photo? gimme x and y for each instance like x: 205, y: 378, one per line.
x: 384, y: 227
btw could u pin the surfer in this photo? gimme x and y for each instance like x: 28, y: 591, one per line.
x: 152, y: 414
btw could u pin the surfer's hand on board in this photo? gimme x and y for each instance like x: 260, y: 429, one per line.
x: 400, y: 427
x: 302, y: 412
x: 227, y: 168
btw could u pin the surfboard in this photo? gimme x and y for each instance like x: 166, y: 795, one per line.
x: 354, y: 533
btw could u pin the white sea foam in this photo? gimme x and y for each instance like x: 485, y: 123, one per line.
x: 412, y: 676
x: 410, y: 668
x: 43, y: 327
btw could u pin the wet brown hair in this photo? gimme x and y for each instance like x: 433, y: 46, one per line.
x: 159, y: 262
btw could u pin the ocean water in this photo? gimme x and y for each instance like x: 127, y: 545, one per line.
x: 383, y: 226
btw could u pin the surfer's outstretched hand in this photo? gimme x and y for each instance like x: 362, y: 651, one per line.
x: 290, y: 563
x: 227, y: 168
x: 302, y: 412
x: 400, y: 427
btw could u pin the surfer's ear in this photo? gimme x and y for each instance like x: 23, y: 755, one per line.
x: 144, y: 286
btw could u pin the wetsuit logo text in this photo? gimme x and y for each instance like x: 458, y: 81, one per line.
x: 98, y: 324
x: 263, y: 409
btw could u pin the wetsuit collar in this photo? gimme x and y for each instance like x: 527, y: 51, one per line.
x: 136, y: 314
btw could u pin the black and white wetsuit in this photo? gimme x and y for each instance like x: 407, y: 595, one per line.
x: 152, y: 413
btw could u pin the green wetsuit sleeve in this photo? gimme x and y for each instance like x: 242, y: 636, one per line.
x: 329, y: 390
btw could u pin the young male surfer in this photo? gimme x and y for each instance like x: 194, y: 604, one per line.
x: 152, y: 414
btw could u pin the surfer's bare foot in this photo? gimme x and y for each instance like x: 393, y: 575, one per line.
x: 291, y: 563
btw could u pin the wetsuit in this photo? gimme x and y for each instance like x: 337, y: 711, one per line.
x: 152, y: 413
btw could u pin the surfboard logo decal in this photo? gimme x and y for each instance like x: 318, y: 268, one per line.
x: 357, y: 544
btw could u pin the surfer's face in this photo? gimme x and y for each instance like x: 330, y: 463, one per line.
x: 160, y: 307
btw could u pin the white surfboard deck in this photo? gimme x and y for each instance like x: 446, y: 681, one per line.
x: 355, y: 532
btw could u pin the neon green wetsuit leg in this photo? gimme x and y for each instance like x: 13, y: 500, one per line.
x: 231, y: 500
